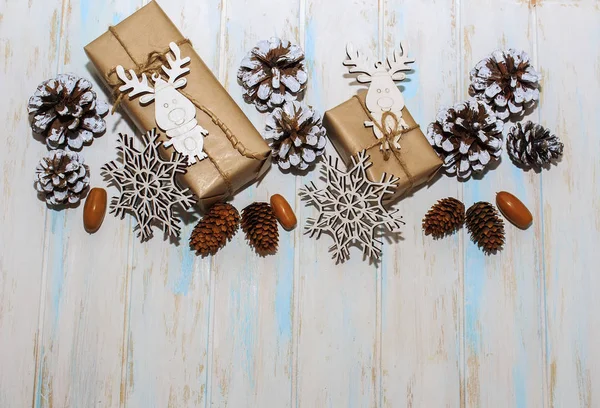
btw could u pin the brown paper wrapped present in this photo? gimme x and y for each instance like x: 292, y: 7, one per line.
x: 414, y: 164
x: 237, y: 154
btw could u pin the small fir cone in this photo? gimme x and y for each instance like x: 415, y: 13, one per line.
x: 297, y: 135
x: 62, y: 177
x: 507, y: 82
x: 486, y: 227
x: 274, y: 71
x: 212, y: 232
x: 532, y: 145
x: 467, y: 136
x: 260, y: 225
x: 444, y: 218
x: 66, y: 112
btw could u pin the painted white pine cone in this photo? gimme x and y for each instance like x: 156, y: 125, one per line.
x: 507, y: 82
x: 273, y: 72
x: 297, y: 135
x: 66, y: 111
x: 467, y: 136
x: 62, y: 177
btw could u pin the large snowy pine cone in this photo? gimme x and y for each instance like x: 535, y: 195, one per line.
x: 62, y: 177
x: 532, y: 145
x: 467, y: 137
x: 507, y: 81
x: 66, y: 112
x: 297, y: 135
x: 274, y: 71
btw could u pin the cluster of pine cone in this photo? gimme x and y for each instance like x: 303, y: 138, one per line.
x: 66, y: 113
x: 483, y: 223
x: 468, y: 136
x: 222, y: 222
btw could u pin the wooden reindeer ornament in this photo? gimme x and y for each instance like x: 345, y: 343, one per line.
x: 175, y: 114
x: 384, y: 99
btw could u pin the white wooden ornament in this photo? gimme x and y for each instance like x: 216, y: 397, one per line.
x: 351, y: 207
x: 383, y: 95
x: 147, y: 185
x: 175, y: 114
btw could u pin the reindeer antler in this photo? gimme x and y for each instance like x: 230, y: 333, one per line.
x: 358, y: 64
x: 134, y: 84
x: 399, y: 63
x: 176, y: 66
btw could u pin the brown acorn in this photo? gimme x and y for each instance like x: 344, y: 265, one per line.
x: 260, y: 225
x: 486, y: 227
x: 445, y: 217
x: 212, y: 232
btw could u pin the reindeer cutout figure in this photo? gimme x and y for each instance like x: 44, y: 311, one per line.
x: 175, y: 114
x: 384, y: 99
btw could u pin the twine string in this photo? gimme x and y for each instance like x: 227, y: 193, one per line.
x: 391, y: 137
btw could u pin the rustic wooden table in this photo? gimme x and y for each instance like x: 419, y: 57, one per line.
x: 104, y: 321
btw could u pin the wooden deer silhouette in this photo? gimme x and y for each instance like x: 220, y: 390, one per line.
x: 383, y: 95
x: 175, y: 114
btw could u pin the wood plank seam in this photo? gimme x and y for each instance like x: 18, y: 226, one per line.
x: 297, y: 237
x: 546, y: 398
x: 44, y: 270
x: 462, y: 234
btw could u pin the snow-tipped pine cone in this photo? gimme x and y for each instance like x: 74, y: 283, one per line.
x: 66, y: 111
x: 532, y: 145
x: 507, y: 82
x: 274, y: 71
x: 297, y: 135
x: 467, y: 136
x: 62, y: 177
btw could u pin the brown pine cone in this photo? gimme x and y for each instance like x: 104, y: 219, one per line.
x: 260, y: 225
x: 273, y: 72
x: 66, y: 112
x: 445, y: 217
x: 62, y: 177
x: 297, y: 135
x: 486, y: 227
x: 532, y: 145
x: 507, y: 81
x: 467, y: 136
x: 212, y: 232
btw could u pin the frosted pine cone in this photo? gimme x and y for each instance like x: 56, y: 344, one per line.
x: 273, y: 72
x: 532, y: 145
x: 297, y: 135
x: 62, y: 177
x: 66, y: 112
x: 507, y: 81
x: 467, y: 137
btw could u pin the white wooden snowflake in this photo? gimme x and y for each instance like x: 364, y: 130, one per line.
x: 148, y: 187
x: 351, y: 207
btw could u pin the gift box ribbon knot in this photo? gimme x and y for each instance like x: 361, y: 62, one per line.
x: 390, y: 142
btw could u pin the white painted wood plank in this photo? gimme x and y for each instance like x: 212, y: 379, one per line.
x: 570, y: 62
x: 28, y: 57
x: 421, y: 277
x: 81, y: 343
x: 338, y: 354
x: 251, y: 364
x: 502, y: 296
x: 170, y: 286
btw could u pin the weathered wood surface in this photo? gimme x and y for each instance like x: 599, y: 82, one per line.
x: 102, y: 320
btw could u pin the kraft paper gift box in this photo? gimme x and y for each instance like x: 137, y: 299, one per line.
x: 414, y: 164
x: 237, y: 154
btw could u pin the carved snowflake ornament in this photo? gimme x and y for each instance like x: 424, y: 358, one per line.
x: 351, y: 208
x: 148, y: 187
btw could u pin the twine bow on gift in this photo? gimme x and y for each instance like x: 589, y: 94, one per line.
x: 391, y: 135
